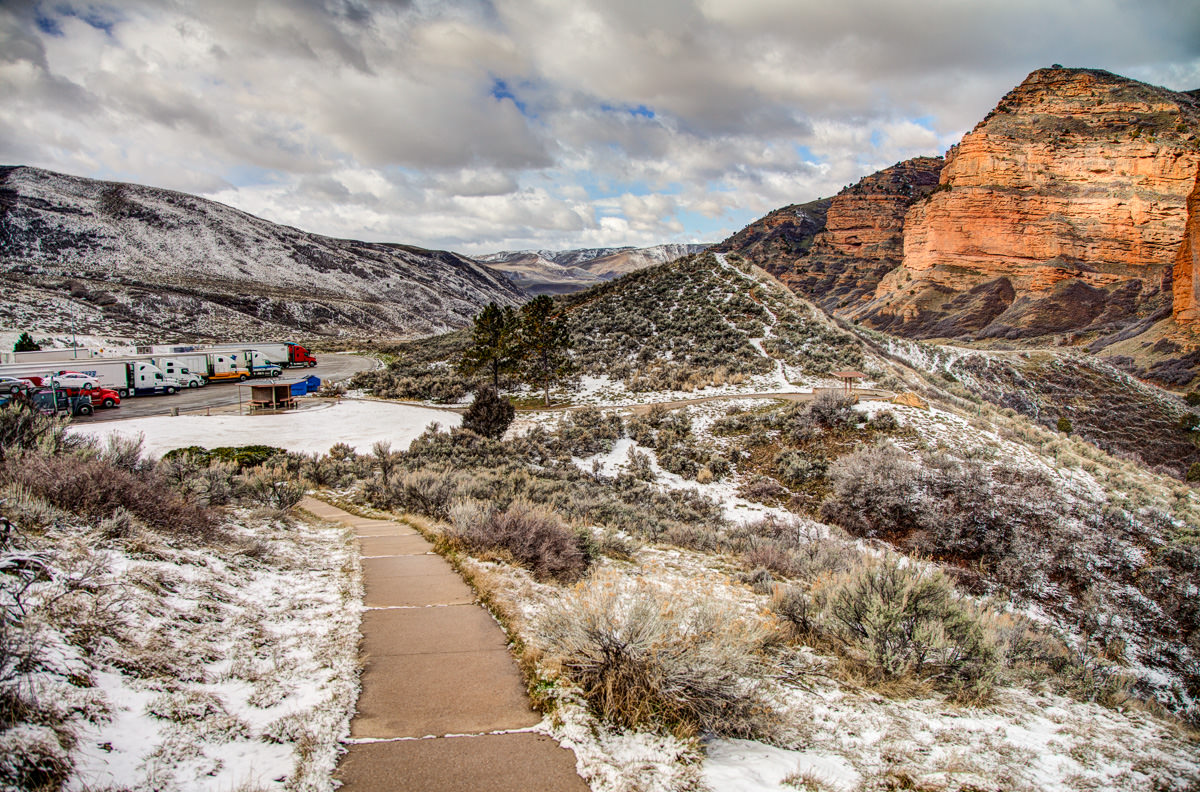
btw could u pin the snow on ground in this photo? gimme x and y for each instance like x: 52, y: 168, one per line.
x: 230, y: 666
x: 736, y: 508
x: 748, y: 766
x: 357, y: 423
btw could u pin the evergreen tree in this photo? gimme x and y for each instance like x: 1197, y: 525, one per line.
x: 490, y: 414
x: 26, y: 344
x: 545, y: 342
x: 494, y: 343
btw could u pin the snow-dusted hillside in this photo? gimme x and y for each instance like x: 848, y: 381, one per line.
x: 566, y: 271
x: 139, y: 258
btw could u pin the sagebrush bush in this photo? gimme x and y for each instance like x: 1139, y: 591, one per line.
x: 274, y: 488
x: 534, y: 536
x: 95, y: 488
x: 873, y: 491
x: 22, y: 427
x: 426, y: 491
x: 833, y: 410
x: 645, y: 656
x: 895, y: 620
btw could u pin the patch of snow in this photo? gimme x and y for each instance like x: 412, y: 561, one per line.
x: 357, y: 423
x: 748, y: 766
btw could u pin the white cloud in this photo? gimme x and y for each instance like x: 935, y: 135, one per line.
x: 535, y: 123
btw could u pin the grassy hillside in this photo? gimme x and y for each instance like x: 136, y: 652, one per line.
x: 703, y: 321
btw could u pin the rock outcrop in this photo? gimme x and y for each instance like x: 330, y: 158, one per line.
x: 1063, y: 210
x: 863, y: 238
x: 1186, y: 275
x: 776, y: 241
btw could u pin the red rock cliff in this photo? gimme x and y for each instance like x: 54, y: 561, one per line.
x: 1186, y: 283
x: 1062, y: 210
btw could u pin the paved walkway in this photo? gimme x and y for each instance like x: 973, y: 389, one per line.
x: 439, y: 686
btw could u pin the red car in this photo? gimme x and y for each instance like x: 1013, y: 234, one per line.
x: 101, y: 397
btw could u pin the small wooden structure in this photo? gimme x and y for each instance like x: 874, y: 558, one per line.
x: 273, y: 395
x: 848, y: 378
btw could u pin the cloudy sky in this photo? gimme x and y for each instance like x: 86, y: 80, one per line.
x: 480, y: 126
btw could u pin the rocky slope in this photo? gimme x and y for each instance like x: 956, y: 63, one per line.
x: 863, y: 236
x: 566, y: 271
x: 835, y: 251
x: 776, y: 241
x: 1062, y: 211
x: 146, y: 261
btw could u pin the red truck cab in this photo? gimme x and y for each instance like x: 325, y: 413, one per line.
x: 101, y: 397
x: 299, y: 356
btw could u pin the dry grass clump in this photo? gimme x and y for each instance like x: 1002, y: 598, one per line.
x: 531, y: 535
x: 645, y: 656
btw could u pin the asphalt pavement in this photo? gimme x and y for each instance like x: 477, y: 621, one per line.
x: 330, y: 368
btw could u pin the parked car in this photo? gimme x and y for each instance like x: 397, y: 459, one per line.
x: 14, y: 385
x: 101, y: 397
x: 73, y: 379
x: 54, y: 402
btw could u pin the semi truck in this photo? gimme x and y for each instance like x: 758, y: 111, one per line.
x: 128, y: 377
x: 285, y: 354
x: 218, y: 366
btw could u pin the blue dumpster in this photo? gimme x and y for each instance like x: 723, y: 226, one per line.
x: 314, y: 383
x: 299, y: 388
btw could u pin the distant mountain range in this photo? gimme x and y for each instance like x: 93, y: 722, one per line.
x: 145, y: 262
x: 565, y: 271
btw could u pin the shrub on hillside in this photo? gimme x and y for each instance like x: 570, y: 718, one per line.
x: 533, y: 535
x: 25, y: 428
x: 872, y: 491
x: 424, y: 491
x: 647, y: 656
x: 95, y: 488
x: 833, y: 410
x: 894, y: 620
x: 489, y: 414
x: 274, y: 488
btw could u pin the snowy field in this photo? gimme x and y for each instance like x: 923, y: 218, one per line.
x: 357, y: 423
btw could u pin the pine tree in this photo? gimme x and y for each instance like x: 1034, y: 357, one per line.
x: 545, y: 342
x: 494, y: 344
x: 26, y: 344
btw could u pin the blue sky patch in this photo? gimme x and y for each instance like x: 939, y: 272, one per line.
x: 637, y: 111
x: 501, y: 91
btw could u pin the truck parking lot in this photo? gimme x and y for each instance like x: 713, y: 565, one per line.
x: 332, y: 368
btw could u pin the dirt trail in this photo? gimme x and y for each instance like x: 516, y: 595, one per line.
x: 642, y: 409
x: 443, y: 707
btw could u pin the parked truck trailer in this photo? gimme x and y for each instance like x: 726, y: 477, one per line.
x: 128, y: 377
x: 285, y: 354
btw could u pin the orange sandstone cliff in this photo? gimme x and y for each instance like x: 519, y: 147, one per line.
x: 1063, y: 210
x: 835, y: 251
x: 1186, y: 273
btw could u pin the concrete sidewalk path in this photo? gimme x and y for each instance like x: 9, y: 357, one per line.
x: 443, y: 707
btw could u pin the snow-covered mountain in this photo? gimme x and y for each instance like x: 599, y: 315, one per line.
x: 124, y: 257
x: 565, y: 271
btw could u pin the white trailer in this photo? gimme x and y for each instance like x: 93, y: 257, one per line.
x: 128, y: 377
x: 38, y: 356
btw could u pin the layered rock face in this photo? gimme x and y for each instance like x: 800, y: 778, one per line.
x: 1186, y: 281
x: 1063, y: 210
x: 863, y: 238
